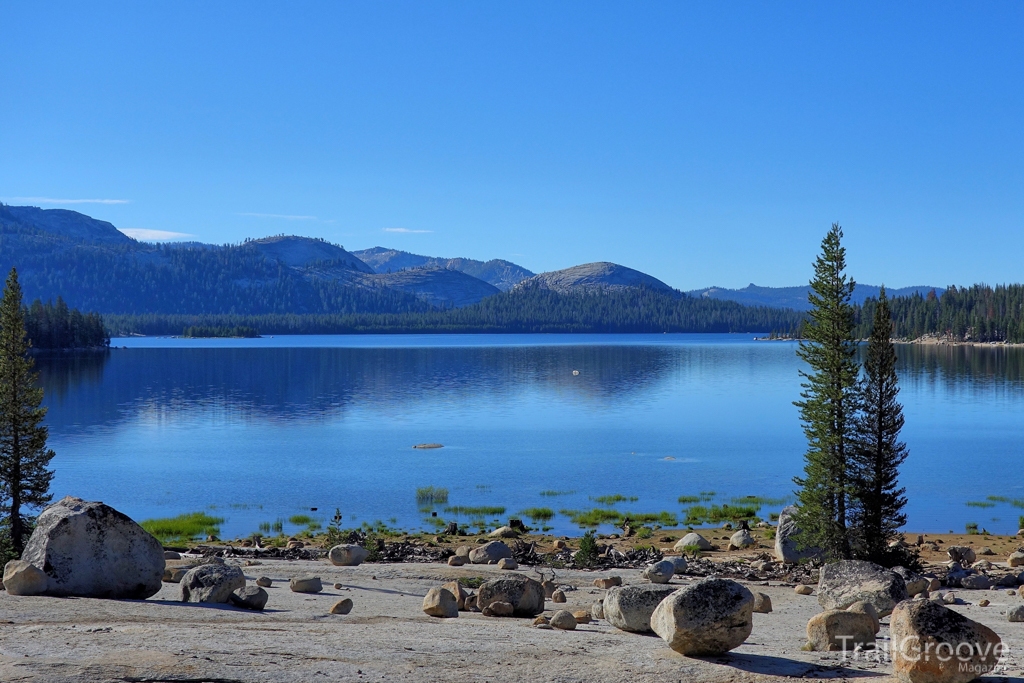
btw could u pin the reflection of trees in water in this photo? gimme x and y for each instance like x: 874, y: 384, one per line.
x: 959, y: 366
x: 60, y: 372
x: 310, y: 383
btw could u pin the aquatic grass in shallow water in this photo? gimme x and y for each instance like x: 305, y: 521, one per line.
x: 184, y: 527
x: 470, y: 511
x: 552, y: 493
x: 429, y: 495
x: 538, y: 514
x: 301, y: 520
x: 762, y: 501
x: 700, y: 514
x: 980, y: 504
x: 613, y: 499
x: 599, y: 516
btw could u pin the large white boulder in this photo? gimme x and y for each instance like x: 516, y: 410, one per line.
x: 709, y: 617
x: 692, y: 540
x: 787, y: 539
x: 490, y: 553
x: 91, y: 550
x: 630, y: 607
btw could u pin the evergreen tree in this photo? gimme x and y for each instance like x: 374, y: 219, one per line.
x: 829, y: 404
x: 24, y: 477
x: 879, y: 452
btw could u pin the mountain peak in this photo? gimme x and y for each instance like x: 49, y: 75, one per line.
x: 601, y: 275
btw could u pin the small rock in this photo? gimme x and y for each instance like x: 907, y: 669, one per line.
x: 544, y: 627
x: 174, y: 574
x: 295, y: 545
x: 264, y: 582
x: 934, y: 585
x: 463, y: 551
x: 984, y: 603
x: 801, y: 589
x: 1016, y: 559
x: 211, y: 583
x: 507, y: 563
x: 306, y: 584
x: 524, y: 594
x: 549, y: 587
x: 582, y: 616
x: 558, y: 596
x: 692, y: 539
x: 839, y: 630
x: 250, y: 597
x: 559, y: 544
x: 986, y: 551
x: 343, y: 606
x: 1016, y: 614
x: 563, y: 620
x: 597, y: 610
x: 962, y: 554
x: 504, y: 532
x: 489, y: 553
x: 629, y: 608
x: 609, y: 582
x: 339, y: 586
x: 660, y: 572
x: 679, y: 563
x: 742, y: 539
x: 762, y: 603
x: 949, y: 598
x: 540, y: 620
x: 24, y: 578
x: 347, y: 555
x: 846, y: 582
x: 457, y: 560
x: 471, y: 603
x: 439, y: 602
x: 787, y: 545
x: 978, y: 582
x: 499, y: 609
x: 171, y: 555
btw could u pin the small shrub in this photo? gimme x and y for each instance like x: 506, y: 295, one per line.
x: 587, y: 554
x: 972, y: 528
x: 334, y: 534
x: 1020, y: 522
x: 644, y: 532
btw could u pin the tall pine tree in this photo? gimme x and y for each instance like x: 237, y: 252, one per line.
x: 829, y: 404
x: 879, y: 452
x: 24, y: 457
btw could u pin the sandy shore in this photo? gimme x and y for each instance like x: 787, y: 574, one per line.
x: 387, y: 637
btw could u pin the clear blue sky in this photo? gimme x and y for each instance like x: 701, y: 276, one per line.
x: 704, y: 143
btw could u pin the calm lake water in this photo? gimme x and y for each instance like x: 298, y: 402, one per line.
x: 264, y: 429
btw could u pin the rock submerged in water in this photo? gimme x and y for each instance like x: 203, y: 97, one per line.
x: 629, y: 608
x: 709, y: 617
x: 211, y: 583
x: 88, y: 549
x: 848, y: 581
x: 931, y: 642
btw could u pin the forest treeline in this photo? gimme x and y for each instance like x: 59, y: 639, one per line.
x: 527, y: 309
x: 57, y: 326
x: 978, y: 313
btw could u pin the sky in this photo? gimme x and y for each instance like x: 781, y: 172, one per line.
x: 703, y: 143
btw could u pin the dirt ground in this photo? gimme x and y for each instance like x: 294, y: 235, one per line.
x: 387, y: 637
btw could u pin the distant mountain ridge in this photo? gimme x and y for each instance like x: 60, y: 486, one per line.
x: 595, y: 276
x: 796, y: 297
x: 502, y: 274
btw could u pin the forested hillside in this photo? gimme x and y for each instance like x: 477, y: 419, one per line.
x: 527, y: 309
x: 978, y: 313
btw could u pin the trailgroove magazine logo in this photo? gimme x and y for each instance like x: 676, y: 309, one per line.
x: 978, y: 658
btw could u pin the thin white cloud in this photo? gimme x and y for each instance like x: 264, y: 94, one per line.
x: 147, y: 235
x: 406, y: 230
x: 50, y: 200
x: 282, y: 216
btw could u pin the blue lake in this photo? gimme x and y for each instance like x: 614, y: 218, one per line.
x: 264, y: 429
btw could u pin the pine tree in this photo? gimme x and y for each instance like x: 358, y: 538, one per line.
x: 829, y: 404
x: 24, y: 477
x: 879, y: 452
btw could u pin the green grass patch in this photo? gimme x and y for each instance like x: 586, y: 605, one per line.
x: 183, y: 527
x: 272, y: 527
x: 538, y: 514
x: 761, y: 501
x: 599, y: 516
x: 707, y: 496
x: 980, y: 504
x: 998, y: 499
x: 613, y: 499
x: 972, y: 528
x: 430, y: 495
x: 550, y: 493
x: 701, y: 514
x: 689, y: 500
x: 469, y: 511
x: 301, y: 520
